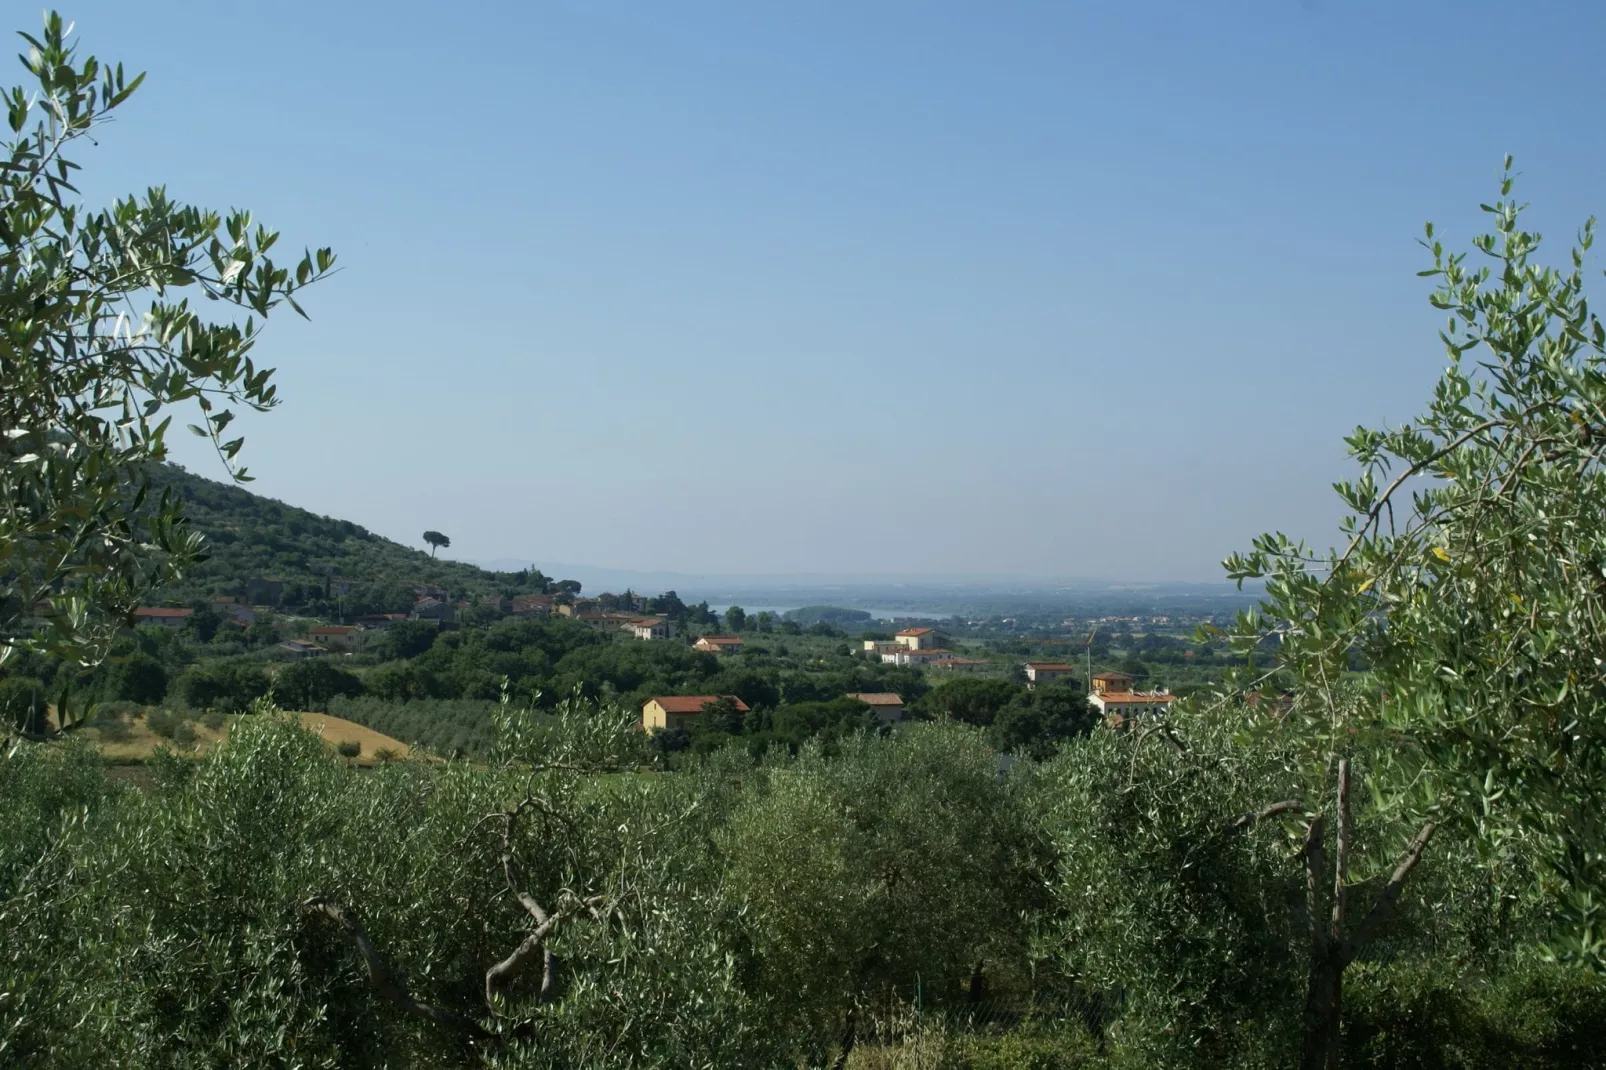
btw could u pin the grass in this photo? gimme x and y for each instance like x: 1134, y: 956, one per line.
x: 141, y: 742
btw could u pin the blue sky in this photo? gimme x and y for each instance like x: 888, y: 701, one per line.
x: 1071, y: 289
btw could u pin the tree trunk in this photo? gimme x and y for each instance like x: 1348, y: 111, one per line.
x: 1330, y: 952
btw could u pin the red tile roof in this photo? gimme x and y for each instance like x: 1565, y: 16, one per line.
x: 159, y: 613
x: 916, y: 631
x: 693, y: 703
x: 1050, y: 666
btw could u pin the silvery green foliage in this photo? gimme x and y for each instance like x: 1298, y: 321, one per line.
x: 98, y: 343
x: 893, y: 860
x: 1470, y: 590
x: 1185, y: 931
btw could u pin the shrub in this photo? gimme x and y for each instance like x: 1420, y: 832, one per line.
x: 349, y: 748
x: 114, y: 730
x: 162, y: 722
x: 184, y: 734
x: 387, y: 754
x: 214, y: 720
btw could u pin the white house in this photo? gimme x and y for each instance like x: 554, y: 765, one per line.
x: 908, y: 656
x: 1113, y: 695
x: 651, y: 628
x: 1046, y: 672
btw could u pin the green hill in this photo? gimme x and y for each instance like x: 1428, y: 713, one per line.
x: 276, y: 553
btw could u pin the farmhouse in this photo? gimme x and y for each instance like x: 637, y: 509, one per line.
x: 663, y: 712
x: 910, y: 656
x: 167, y: 618
x: 1046, y: 672
x: 887, y: 706
x: 430, y: 608
x: 532, y: 605
x: 1114, y: 697
x: 650, y: 628
x: 300, y: 648
x: 917, y: 638
x: 336, y: 636
x: 718, y: 644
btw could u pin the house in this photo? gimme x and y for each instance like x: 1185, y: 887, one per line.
x: 718, y: 644
x: 880, y: 646
x: 1114, y: 682
x: 300, y: 648
x: 1113, y: 695
x: 650, y: 628
x: 167, y: 618
x: 1046, y: 672
x: 343, y: 637
x: 235, y: 612
x: 663, y: 712
x: 532, y: 605
x: 431, y: 609
x: 909, y: 656
x: 887, y: 706
x: 917, y: 638
x: 579, y: 607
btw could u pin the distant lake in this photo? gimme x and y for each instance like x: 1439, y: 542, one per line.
x: 878, y: 614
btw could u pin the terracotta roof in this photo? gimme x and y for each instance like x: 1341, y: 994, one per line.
x: 878, y: 698
x: 1051, y: 666
x: 160, y: 613
x: 693, y: 703
x: 1111, y: 676
x: 916, y: 631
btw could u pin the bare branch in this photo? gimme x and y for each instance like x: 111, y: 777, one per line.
x: 1391, y: 892
x: 382, y: 979
x: 1245, y: 820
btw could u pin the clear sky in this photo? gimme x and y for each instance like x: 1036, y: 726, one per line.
x: 1077, y: 289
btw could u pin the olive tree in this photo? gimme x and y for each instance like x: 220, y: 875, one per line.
x: 1458, y: 633
x: 99, y: 341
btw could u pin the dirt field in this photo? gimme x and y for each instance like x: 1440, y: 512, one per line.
x: 142, y: 742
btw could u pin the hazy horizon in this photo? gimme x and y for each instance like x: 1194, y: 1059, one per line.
x: 899, y: 287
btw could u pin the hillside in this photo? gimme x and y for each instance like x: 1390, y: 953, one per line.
x: 250, y: 537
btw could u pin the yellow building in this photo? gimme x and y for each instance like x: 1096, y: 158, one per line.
x: 662, y: 712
